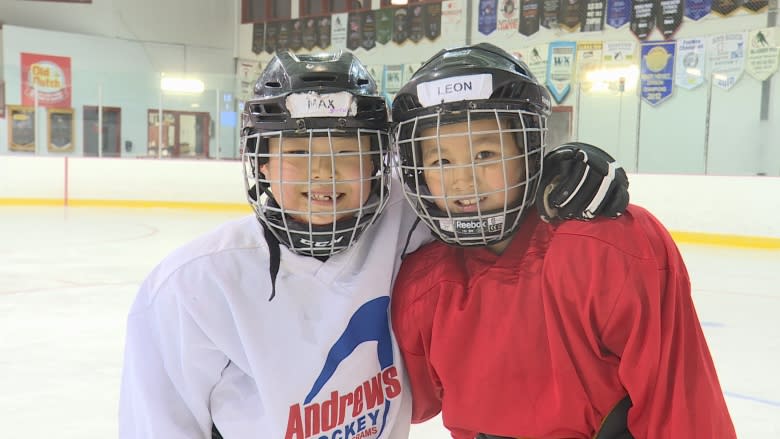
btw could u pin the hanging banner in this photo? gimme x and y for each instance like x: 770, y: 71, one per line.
x: 283, y: 37
x: 725, y: 7
x: 571, y: 15
x: 762, y: 56
x: 451, y: 13
x: 619, y: 57
x: 377, y: 72
x: 354, y: 30
x: 248, y: 73
x: 50, y: 76
x: 643, y: 18
x: 271, y: 33
x: 670, y: 15
x: 258, y: 38
x: 697, y: 9
x: 727, y: 59
x: 432, y: 20
x: 339, y: 26
x: 560, y: 68
x: 657, y: 71
x: 529, y: 17
x: 21, y: 128
x: 550, y: 12
x: 690, y: 66
x: 323, y: 32
x: 368, y: 25
x: 393, y: 77
x: 409, y: 70
x: 508, y: 15
x: 296, y: 35
x: 416, y: 21
x: 400, y: 26
x: 535, y: 57
x: 619, y: 12
x: 593, y: 16
x: 487, y: 16
x: 589, y: 55
x: 755, y: 5
x: 309, y: 33
x: 384, y: 25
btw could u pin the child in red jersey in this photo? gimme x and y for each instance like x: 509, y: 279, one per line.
x: 515, y: 327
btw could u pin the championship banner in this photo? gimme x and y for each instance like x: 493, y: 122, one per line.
x: 451, y: 13
x: 309, y: 33
x: 756, y: 5
x: 432, y: 20
x: 657, y: 71
x: 323, y: 32
x: 670, y: 15
x: 400, y: 26
x: 384, y: 25
x: 368, y: 25
x: 416, y: 21
x: 487, y: 16
x: 690, y: 68
x: 409, y: 70
x: 619, y: 57
x: 727, y: 59
x: 339, y: 24
x: 354, y: 30
x: 697, y: 9
x: 560, y: 68
x: 535, y: 57
x: 589, y: 55
x: 529, y: 17
x: 725, y: 7
x: 50, y: 76
x: 619, y: 12
x: 393, y: 77
x: 762, y: 56
x: 258, y: 38
x: 271, y: 32
x: 248, y: 73
x: 296, y: 35
x: 283, y: 36
x: 571, y: 15
x: 643, y: 18
x: 550, y: 12
x: 508, y: 15
x: 377, y: 72
x: 593, y: 16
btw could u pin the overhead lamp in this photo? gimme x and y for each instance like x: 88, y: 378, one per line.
x: 399, y: 2
x: 181, y: 85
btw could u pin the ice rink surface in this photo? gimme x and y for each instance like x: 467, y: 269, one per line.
x: 68, y: 276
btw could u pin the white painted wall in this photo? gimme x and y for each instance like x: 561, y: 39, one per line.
x: 746, y: 206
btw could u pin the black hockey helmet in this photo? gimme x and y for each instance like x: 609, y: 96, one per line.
x: 328, y: 95
x: 460, y: 85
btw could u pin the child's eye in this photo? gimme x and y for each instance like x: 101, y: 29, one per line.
x: 442, y: 162
x: 296, y: 151
x: 485, y: 155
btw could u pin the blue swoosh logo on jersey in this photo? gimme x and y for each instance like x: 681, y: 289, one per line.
x: 369, y: 323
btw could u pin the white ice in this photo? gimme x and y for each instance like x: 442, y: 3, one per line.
x: 68, y: 276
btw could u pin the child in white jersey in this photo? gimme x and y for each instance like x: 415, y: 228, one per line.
x: 279, y: 328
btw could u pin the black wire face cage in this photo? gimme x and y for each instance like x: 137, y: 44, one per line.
x: 317, y: 190
x: 497, y: 184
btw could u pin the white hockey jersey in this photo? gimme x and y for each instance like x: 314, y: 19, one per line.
x: 204, y: 343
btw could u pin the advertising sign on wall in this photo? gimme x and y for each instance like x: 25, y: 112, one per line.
x: 50, y: 76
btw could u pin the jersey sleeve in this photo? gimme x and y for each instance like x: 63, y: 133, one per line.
x: 409, y: 310
x: 166, y: 382
x: 665, y: 364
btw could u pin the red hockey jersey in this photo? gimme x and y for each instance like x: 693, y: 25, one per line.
x: 543, y: 340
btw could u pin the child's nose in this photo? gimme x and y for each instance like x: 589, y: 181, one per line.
x: 321, y: 167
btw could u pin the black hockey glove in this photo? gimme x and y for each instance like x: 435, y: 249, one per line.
x: 581, y: 181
